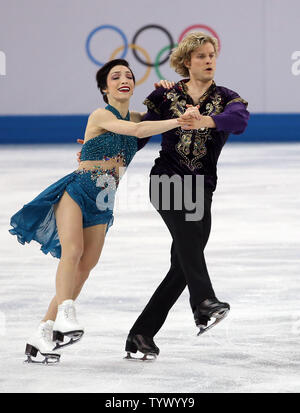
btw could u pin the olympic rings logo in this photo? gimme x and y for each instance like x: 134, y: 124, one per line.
x: 146, y: 60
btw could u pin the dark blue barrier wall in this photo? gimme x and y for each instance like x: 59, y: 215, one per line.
x: 42, y: 128
x: 68, y: 128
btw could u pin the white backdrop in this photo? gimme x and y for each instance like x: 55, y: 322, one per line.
x: 48, y: 70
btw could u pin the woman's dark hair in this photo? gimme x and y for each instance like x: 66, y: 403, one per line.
x: 101, y: 76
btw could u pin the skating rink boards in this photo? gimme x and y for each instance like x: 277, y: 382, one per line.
x: 252, y: 257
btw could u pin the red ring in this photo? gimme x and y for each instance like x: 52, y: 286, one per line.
x: 200, y: 26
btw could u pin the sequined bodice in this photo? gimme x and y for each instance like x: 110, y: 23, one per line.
x: 110, y: 145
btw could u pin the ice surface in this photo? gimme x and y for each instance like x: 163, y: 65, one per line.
x: 252, y: 256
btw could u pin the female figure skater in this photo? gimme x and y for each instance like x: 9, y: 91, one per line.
x: 71, y: 217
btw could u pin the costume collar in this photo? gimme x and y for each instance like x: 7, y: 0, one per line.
x: 182, y: 87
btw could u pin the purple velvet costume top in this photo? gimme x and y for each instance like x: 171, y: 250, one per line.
x: 195, y: 152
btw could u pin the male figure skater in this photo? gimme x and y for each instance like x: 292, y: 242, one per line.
x: 191, y: 150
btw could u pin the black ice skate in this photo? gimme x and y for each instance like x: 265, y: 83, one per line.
x: 144, y: 344
x: 209, y: 308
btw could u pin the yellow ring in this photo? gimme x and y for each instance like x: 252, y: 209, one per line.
x: 147, y: 57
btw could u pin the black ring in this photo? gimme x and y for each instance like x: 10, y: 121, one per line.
x: 152, y: 26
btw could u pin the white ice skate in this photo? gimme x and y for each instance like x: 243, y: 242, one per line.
x: 41, y: 342
x: 66, y: 325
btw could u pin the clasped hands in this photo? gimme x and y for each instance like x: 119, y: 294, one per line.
x: 191, y: 118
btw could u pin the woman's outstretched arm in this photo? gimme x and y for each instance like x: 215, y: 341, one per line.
x: 104, y: 119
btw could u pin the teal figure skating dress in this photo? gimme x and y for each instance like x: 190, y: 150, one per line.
x: 92, y: 189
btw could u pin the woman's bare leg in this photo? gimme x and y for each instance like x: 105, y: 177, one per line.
x: 93, y: 243
x: 70, y: 231
x: 52, y: 310
x: 94, y: 238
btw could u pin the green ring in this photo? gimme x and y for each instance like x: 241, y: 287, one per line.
x: 156, y: 64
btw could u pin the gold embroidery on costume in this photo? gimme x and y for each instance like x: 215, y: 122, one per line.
x: 192, y: 145
x: 201, y: 137
x: 150, y: 105
x: 184, y: 144
x: 199, y: 144
x: 178, y: 105
x: 238, y: 100
x: 204, y: 96
x: 199, y: 148
x: 217, y: 107
x: 195, y: 139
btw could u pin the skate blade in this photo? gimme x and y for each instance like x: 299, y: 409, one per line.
x: 147, y: 357
x: 49, y: 359
x: 218, y: 317
x: 74, y: 336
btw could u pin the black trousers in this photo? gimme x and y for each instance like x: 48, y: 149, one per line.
x: 188, y: 267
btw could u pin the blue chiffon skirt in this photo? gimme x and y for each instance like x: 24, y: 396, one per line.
x: 36, y: 220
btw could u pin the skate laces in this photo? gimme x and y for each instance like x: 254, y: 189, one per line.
x: 46, y: 333
x: 70, y: 313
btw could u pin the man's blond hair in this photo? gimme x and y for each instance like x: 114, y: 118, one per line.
x: 182, y: 53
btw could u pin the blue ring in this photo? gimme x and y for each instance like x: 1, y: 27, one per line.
x: 87, y: 45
